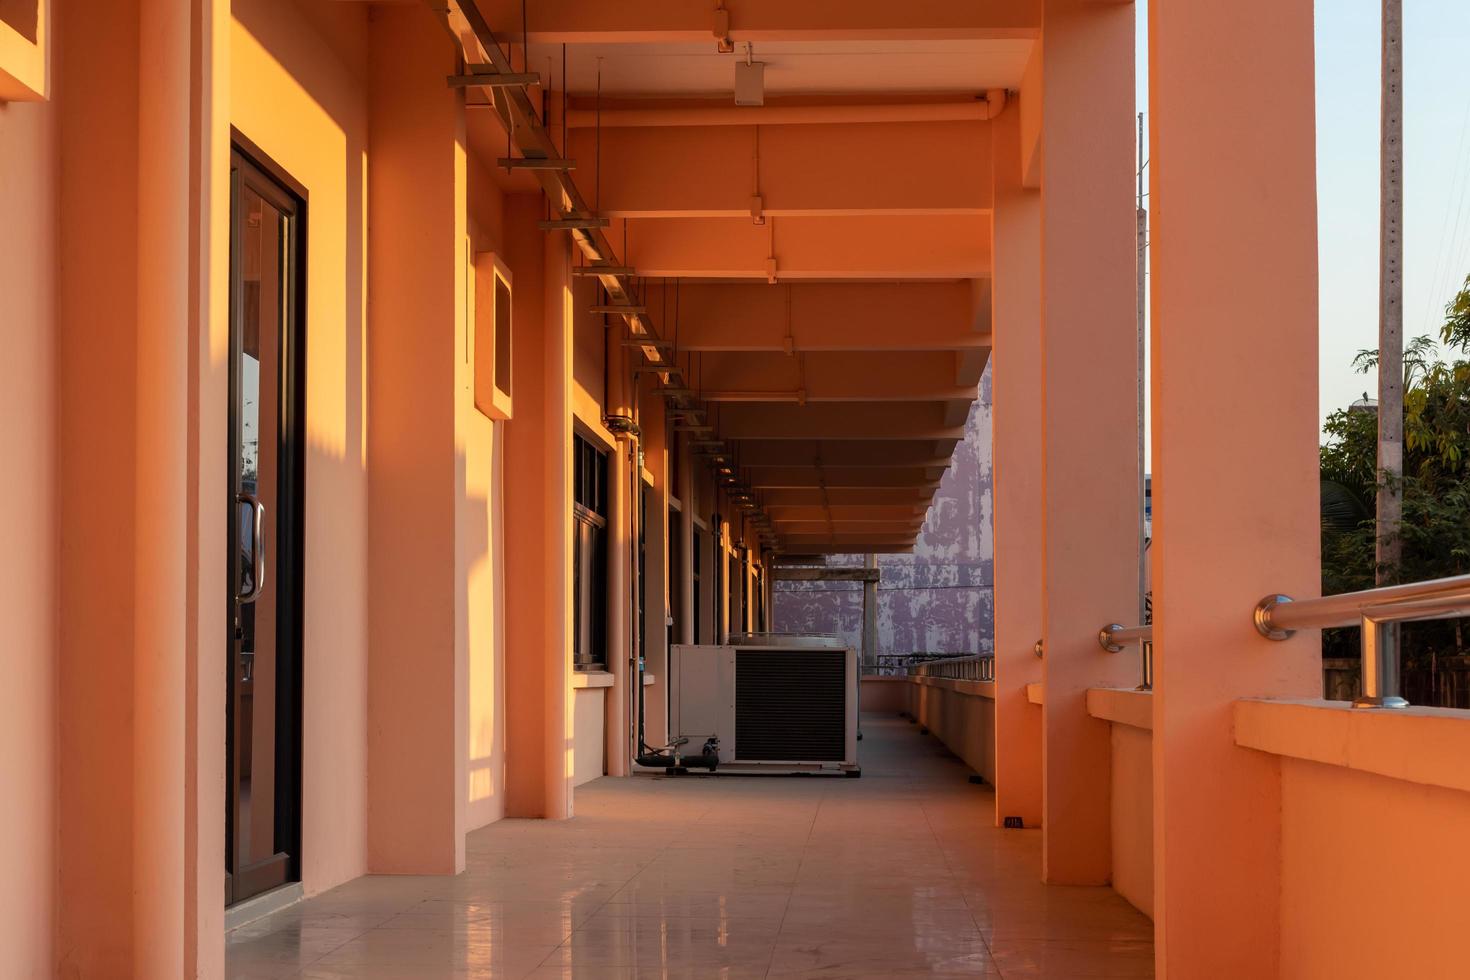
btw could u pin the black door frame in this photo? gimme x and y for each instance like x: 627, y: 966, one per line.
x: 248, y: 165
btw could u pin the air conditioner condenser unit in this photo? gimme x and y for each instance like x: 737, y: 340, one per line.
x: 776, y: 703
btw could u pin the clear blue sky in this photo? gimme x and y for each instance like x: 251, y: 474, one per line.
x: 1436, y: 174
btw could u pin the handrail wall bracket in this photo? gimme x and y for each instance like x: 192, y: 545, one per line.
x: 1263, y: 611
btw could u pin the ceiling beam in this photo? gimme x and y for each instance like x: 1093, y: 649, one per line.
x: 831, y: 376
x: 659, y: 21
x: 871, y: 246
x: 865, y: 421
x: 915, y: 496
x: 803, y: 478
x: 823, y: 544
x: 854, y: 528
x: 723, y: 172
x: 850, y: 513
x: 827, y: 316
x: 837, y: 454
x: 789, y: 573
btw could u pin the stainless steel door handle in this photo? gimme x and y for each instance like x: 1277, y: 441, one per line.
x: 257, y: 547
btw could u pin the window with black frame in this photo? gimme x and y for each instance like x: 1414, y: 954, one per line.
x: 743, y: 559
x: 645, y: 490
x: 674, y: 562
x: 732, y: 593
x: 695, y: 564
x: 589, y: 557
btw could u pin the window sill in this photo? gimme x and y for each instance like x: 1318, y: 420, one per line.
x: 1419, y: 745
x: 583, y: 679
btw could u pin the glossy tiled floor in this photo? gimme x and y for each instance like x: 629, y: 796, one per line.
x: 900, y: 873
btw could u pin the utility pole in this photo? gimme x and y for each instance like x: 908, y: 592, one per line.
x: 1391, y: 296
x: 1142, y: 469
x: 1380, y: 682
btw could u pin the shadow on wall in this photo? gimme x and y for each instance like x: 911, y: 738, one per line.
x: 22, y: 16
x: 298, y: 95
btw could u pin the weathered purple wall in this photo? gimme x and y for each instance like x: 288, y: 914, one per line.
x: 939, y: 598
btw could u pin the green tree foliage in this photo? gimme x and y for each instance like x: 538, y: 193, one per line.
x: 1436, y: 484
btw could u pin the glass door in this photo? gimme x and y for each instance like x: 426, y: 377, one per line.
x: 263, y: 706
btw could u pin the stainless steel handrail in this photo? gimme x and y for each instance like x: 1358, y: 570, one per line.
x: 980, y: 667
x: 1115, y: 636
x: 1376, y: 610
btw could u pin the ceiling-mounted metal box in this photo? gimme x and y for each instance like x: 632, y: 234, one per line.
x: 750, y: 83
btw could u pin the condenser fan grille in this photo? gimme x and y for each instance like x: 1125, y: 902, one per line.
x: 790, y: 704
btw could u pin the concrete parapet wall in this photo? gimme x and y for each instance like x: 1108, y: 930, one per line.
x: 961, y: 714
x: 1131, y: 783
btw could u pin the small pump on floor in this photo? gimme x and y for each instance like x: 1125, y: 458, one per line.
x: 669, y: 757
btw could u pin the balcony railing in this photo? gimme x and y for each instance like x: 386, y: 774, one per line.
x: 976, y: 668
x: 1378, y: 611
x: 898, y: 664
x: 1114, y: 637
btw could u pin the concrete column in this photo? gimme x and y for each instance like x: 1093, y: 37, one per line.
x: 557, y: 476
x: 719, y: 538
x: 168, y: 276
x: 1016, y: 456
x: 656, y: 574
x: 28, y: 553
x: 870, y: 614
x: 97, y: 230
x: 137, y: 206
x: 417, y: 268
x: 529, y: 518
x: 1088, y: 413
x: 735, y: 587
x: 1234, y: 294
x: 204, y: 769
x: 769, y: 585
x: 684, y: 489
x: 538, y: 508
x: 620, y: 545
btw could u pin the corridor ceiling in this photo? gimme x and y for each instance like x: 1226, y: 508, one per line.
x: 829, y: 251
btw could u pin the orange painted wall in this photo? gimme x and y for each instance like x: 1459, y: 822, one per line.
x: 1375, y: 875
x: 885, y: 695
x: 298, y: 74
x: 27, y: 537
x: 1132, y: 825
x: 480, y: 547
x: 589, y: 718
x: 589, y: 351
